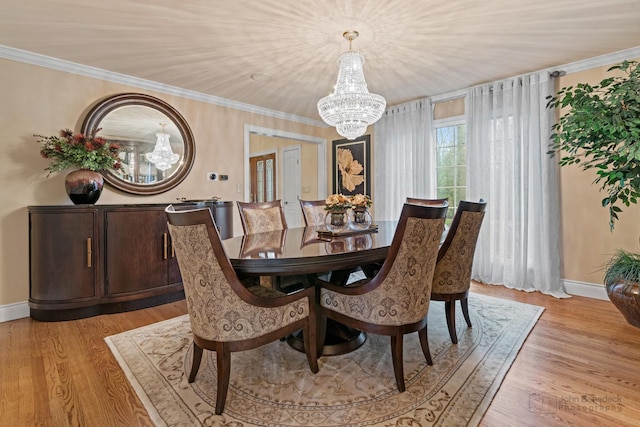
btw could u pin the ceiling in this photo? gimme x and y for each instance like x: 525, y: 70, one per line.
x: 413, y: 48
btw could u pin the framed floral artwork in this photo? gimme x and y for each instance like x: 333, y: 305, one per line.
x: 351, y: 166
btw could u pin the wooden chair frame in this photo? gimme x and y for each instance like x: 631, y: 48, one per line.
x: 314, y: 203
x: 243, y: 206
x: 224, y: 349
x: 450, y: 299
x: 360, y: 288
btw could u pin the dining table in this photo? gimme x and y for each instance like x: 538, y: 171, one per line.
x: 312, y: 251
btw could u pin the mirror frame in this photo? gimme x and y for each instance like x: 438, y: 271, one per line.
x: 97, y: 114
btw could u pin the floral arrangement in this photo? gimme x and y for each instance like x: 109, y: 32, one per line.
x: 337, y: 203
x: 84, y: 151
x: 361, y: 201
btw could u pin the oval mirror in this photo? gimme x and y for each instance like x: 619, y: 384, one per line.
x: 158, y: 146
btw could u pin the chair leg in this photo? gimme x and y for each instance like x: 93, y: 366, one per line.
x: 450, y: 309
x: 321, y: 333
x: 223, y: 361
x: 197, y: 358
x: 396, y: 356
x: 424, y: 343
x: 311, y: 343
x: 465, y: 310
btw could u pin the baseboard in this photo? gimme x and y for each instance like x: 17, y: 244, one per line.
x: 14, y: 311
x: 584, y: 289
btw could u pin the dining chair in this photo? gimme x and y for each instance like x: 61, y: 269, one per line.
x: 313, y: 212
x: 426, y: 202
x: 396, y: 300
x: 257, y: 217
x: 226, y: 316
x: 452, y: 277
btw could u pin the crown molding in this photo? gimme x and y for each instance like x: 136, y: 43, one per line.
x: 98, y: 73
x: 572, y: 67
x: 599, y: 61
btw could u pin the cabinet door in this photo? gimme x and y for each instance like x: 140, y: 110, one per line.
x: 138, y: 250
x: 62, y: 258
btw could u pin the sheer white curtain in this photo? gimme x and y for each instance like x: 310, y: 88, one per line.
x: 404, y: 161
x: 508, y: 129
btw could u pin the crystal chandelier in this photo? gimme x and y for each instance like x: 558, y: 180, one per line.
x: 162, y: 157
x: 351, y: 108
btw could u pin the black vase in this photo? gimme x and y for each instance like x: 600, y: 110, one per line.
x: 84, y: 186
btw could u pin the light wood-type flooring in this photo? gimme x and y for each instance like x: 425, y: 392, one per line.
x: 580, y: 366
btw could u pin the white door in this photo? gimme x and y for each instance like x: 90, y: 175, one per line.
x: 291, y: 185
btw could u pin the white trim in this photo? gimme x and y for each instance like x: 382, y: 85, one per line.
x: 572, y: 67
x: 449, y: 121
x: 599, y: 61
x: 14, y: 311
x: 98, y: 73
x: 322, y: 154
x: 584, y: 289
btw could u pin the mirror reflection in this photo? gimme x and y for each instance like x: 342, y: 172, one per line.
x: 159, y: 149
x: 143, y: 131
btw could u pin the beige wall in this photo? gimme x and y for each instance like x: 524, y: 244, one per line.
x: 587, y: 242
x: 38, y: 100
x: 41, y: 100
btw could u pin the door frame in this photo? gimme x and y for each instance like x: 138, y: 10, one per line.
x: 322, y: 154
x: 297, y: 185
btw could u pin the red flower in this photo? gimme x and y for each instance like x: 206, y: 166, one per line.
x: 89, y: 146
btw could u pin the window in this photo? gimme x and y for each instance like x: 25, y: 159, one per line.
x: 451, y: 163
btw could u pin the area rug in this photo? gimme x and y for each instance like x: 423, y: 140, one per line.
x: 273, y: 386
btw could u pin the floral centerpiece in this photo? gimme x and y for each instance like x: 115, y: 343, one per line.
x: 337, y: 203
x: 361, y: 201
x: 89, y: 152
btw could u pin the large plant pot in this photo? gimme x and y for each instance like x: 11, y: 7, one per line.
x: 626, y: 297
x: 84, y: 186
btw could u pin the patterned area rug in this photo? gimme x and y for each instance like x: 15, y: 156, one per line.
x: 273, y: 386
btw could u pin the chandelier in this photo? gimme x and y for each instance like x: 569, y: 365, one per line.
x: 351, y: 108
x: 162, y: 157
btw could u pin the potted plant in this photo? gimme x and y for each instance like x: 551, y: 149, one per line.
x: 622, y: 279
x: 90, y: 153
x: 601, y: 131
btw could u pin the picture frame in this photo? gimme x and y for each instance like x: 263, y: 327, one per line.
x: 351, y: 167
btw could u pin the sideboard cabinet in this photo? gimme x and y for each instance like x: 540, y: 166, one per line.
x: 86, y: 260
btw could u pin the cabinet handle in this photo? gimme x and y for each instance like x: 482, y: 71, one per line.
x: 173, y: 250
x: 89, y: 253
x: 164, y: 238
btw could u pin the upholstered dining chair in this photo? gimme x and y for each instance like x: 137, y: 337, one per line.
x: 396, y: 300
x: 313, y: 212
x: 225, y: 315
x: 452, y: 277
x: 427, y: 202
x: 257, y: 217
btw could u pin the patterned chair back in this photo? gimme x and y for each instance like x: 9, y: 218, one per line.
x: 313, y: 212
x: 216, y: 300
x: 455, y: 258
x: 261, y: 216
x: 399, y: 293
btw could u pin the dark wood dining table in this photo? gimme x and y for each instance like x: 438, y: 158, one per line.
x: 296, y: 251
x: 303, y: 252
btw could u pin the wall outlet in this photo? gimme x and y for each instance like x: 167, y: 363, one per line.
x: 212, y: 176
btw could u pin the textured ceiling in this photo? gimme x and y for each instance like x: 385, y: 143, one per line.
x: 413, y: 48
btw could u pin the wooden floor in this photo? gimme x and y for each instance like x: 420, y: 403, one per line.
x: 580, y: 366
